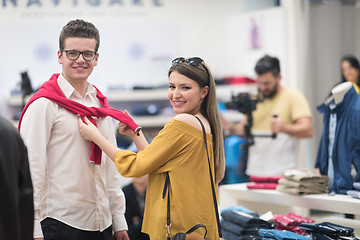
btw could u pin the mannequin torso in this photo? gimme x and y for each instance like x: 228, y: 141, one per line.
x: 339, y: 91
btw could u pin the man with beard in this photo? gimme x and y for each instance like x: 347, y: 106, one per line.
x: 282, y: 111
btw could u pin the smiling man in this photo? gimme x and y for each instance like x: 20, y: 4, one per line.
x: 77, y: 190
x: 283, y: 111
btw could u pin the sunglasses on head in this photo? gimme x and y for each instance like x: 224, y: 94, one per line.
x: 194, y: 61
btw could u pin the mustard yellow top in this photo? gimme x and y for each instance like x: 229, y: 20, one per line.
x: 180, y: 150
x: 357, y: 88
x: 289, y: 105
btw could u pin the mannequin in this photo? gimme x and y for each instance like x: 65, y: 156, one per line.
x: 339, y: 149
x: 339, y: 91
x: 337, y: 96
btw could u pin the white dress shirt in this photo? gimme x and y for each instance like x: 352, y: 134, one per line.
x: 67, y: 187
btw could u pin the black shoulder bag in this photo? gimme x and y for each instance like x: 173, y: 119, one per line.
x: 182, y: 236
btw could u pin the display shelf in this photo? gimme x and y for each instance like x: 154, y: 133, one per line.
x: 233, y: 194
x: 131, y: 99
x: 152, y: 121
x: 16, y: 100
x: 319, y: 207
x: 137, y: 95
x: 223, y: 93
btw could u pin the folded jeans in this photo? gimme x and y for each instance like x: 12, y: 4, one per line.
x: 327, y: 228
x: 244, y: 219
x: 231, y: 236
x: 281, y: 235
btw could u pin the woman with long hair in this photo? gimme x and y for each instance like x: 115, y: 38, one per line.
x: 350, y: 71
x: 177, y: 151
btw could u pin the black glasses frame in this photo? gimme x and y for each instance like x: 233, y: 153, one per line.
x: 79, y: 53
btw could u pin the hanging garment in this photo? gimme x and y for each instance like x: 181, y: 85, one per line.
x: 346, y: 147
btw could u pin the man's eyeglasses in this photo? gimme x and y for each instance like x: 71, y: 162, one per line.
x: 74, y: 54
x: 194, y: 61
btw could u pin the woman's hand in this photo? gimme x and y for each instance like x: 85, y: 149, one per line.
x: 124, y: 128
x: 88, y: 130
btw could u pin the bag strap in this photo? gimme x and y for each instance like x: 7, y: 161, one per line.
x: 196, y: 227
x: 166, y: 189
x: 211, y: 180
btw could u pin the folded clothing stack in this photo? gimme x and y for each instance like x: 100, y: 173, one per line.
x: 263, y: 182
x: 303, y: 181
x: 281, y: 235
x: 354, y: 193
x: 328, y: 231
x: 241, y: 223
x: 290, y: 222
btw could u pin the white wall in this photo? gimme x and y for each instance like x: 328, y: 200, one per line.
x: 241, y: 57
x: 137, y: 40
x: 333, y: 33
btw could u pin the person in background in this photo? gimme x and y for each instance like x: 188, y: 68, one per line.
x: 179, y: 151
x: 350, y: 71
x: 282, y: 111
x: 16, y: 202
x: 135, y: 193
x: 74, y: 198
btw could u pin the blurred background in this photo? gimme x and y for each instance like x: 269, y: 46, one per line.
x: 139, y: 38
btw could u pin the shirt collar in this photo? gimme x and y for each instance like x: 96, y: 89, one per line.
x: 68, y: 90
x: 350, y: 96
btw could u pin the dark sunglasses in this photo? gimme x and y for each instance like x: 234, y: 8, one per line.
x: 194, y: 61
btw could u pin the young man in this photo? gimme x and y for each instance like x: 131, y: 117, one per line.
x: 74, y: 198
x: 284, y: 112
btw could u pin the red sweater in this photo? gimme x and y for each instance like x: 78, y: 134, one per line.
x: 51, y: 90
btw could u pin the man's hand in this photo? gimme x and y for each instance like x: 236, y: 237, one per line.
x: 121, y: 235
x: 276, y: 124
x: 38, y: 238
x: 301, y: 128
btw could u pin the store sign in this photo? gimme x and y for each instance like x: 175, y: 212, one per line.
x: 48, y: 10
x: 75, y: 3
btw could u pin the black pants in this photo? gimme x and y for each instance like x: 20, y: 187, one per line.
x: 56, y: 230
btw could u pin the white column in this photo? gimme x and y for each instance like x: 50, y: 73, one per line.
x: 294, y: 33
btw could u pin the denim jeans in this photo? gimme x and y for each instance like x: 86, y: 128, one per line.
x: 244, y: 219
x: 237, y: 229
x: 281, y: 234
x: 231, y: 227
x: 242, y: 209
x: 231, y: 236
x: 327, y: 228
